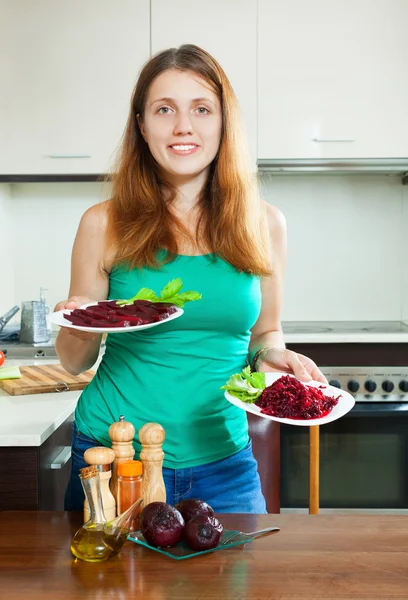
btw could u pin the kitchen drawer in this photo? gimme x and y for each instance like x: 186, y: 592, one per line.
x: 35, y: 477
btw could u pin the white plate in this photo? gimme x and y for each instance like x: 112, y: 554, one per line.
x: 58, y: 318
x: 344, y: 405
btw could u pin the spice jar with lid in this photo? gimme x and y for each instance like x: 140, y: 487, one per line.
x: 129, y: 484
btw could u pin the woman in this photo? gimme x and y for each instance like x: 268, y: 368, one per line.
x: 184, y: 204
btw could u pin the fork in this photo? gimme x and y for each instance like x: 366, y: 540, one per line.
x: 232, y: 535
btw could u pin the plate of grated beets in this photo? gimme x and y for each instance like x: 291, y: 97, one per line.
x: 282, y: 397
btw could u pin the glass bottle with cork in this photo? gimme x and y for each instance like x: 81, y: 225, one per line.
x: 97, y: 540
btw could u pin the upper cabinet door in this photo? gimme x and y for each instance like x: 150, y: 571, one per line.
x: 226, y: 29
x: 67, y: 73
x: 332, y: 79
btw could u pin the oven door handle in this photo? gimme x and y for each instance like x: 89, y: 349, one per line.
x: 379, y: 409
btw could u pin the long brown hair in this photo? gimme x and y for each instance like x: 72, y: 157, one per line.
x: 232, y: 220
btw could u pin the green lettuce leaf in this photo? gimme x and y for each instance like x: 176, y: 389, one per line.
x: 246, y: 386
x: 256, y: 379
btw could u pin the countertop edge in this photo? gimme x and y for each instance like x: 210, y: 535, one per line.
x: 346, y: 338
x: 37, y: 439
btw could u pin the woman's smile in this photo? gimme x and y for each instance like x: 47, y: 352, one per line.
x: 184, y: 149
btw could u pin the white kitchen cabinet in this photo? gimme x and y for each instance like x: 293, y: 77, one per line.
x: 67, y: 73
x: 332, y: 79
x: 226, y: 29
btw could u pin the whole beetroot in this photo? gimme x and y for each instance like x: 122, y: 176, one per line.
x: 161, y: 524
x: 190, y: 507
x: 202, y: 532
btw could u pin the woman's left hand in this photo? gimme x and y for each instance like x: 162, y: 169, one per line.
x: 302, y: 367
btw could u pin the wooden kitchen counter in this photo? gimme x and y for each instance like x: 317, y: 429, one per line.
x: 313, y: 557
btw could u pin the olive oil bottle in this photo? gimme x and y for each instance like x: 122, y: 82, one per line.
x: 88, y: 543
x: 98, y: 540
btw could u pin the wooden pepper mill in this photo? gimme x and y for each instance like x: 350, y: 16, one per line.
x: 151, y: 437
x: 121, y: 433
x: 102, y: 458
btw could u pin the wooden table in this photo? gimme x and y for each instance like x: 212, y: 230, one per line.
x: 313, y: 557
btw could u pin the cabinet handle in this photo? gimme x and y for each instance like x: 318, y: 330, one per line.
x: 337, y: 140
x: 62, y: 458
x: 68, y: 155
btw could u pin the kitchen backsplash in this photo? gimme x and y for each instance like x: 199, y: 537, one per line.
x: 347, y: 250
x: 43, y: 219
x: 404, y: 259
x: 347, y: 246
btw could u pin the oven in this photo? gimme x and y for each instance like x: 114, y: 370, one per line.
x: 363, y: 455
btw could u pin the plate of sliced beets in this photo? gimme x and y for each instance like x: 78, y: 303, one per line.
x: 287, y: 400
x: 109, y: 317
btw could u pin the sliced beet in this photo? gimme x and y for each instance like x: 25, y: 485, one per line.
x: 132, y: 320
x: 78, y: 321
x: 108, y: 313
x: 112, y: 317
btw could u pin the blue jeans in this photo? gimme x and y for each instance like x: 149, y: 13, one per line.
x: 230, y: 485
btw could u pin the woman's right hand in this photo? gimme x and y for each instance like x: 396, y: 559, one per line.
x: 71, y: 304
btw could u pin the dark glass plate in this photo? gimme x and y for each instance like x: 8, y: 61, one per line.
x: 182, y: 551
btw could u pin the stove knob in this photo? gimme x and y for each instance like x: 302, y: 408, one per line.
x: 387, y: 386
x: 403, y: 386
x: 335, y: 383
x: 353, y: 385
x: 370, y: 386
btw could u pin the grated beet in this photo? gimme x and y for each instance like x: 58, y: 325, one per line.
x: 288, y: 398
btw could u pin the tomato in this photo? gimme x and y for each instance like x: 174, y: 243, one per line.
x: 2, y: 358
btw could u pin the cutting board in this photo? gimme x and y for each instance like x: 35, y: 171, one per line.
x: 41, y: 379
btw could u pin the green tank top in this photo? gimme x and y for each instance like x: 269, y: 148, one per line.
x: 171, y: 374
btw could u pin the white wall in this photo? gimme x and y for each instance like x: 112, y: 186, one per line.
x: 347, y: 255
x: 347, y: 250
x: 7, y: 273
x: 404, y: 257
x: 45, y: 217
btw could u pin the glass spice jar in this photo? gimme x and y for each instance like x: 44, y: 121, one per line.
x: 130, y: 474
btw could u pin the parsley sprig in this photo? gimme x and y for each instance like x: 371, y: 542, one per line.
x: 170, y: 293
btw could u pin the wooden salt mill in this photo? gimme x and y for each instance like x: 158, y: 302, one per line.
x: 121, y: 433
x: 102, y: 458
x: 151, y: 437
